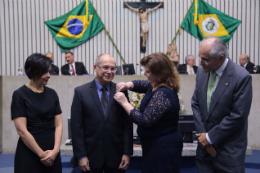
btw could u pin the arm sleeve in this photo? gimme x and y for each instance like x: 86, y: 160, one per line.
x: 57, y: 105
x: 18, y: 106
x: 158, y: 105
x: 77, y: 126
x: 84, y: 69
x: 127, y: 131
x: 197, y: 116
x: 242, y: 99
x: 140, y: 86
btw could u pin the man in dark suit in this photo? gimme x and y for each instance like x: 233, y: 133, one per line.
x: 73, y: 68
x: 221, y: 103
x: 245, y: 62
x: 102, y: 133
x: 189, y: 67
x: 54, y: 69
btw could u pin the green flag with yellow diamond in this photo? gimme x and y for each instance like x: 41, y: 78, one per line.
x: 203, y: 20
x: 76, y: 26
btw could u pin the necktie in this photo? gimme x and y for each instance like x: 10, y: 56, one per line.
x: 190, y: 70
x: 211, y: 87
x: 104, y: 100
x: 73, y: 71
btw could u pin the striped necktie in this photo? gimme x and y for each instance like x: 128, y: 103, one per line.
x: 211, y: 86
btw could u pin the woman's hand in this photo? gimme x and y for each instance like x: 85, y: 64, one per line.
x: 120, y: 98
x: 49, y: 158
x: 122, y: 86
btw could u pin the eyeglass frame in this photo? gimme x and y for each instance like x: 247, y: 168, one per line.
x: 203, y: 60
x: 106, y: 66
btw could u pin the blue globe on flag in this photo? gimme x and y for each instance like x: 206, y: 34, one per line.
x: 75, y: 26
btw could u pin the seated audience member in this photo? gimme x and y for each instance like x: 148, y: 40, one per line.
x: 73, y: 68
x: 54, y: 69
x: 172, y: 54
x: 244, y: 61
x: 189, y: 66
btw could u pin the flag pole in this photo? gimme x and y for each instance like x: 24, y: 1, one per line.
x: 179, y: 30
x: 110, y: 37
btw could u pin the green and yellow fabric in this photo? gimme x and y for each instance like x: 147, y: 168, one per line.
x: 76, y: 26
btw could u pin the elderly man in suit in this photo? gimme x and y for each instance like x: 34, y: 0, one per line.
x: 54, y: 69
x: 244, y: 61
x: 189, y: 67
x: 73, y: 68
x: 102, y: 133
x: 221, y: 103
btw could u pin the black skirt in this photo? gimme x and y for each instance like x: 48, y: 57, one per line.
x: 26, y: 161
x: 163, y: 154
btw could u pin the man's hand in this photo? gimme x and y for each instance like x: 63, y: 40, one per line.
x: 160, y: 4
x: 84, y: 164
x: 126, y: 4
x: 125, y: 162
x: 211, y: 150
x: 202, y: 139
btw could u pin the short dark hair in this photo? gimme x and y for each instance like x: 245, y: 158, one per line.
x: 69, y: 52
x: 36, y: 65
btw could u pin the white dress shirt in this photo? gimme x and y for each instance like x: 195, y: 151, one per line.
x: 71, y: 70
x: 188, y: 69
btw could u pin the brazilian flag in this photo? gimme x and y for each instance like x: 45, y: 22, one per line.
x: 203, y: 20
x: 76, y: 26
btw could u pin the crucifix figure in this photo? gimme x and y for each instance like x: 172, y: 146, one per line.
x: 143, y: 16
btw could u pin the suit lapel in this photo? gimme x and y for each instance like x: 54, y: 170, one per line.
x: 204, y: 89
x: 222, y: 85
x: 96, y: 98
x: 111, y: 98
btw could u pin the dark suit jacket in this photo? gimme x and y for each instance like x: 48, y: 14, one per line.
x: 183, y: 68
x: 95, y: 135
x: 226, y: 121
x: 250, y: 67
x: 54, y: 70
x: 80, y: 69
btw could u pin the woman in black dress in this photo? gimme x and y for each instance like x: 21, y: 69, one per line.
x: 158, y: 117
x: 36, y: 113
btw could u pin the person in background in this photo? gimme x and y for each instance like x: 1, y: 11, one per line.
x: 72, y: 68
x: 244, y: 61
x: 189, y: 67
x: 102, y: 133
x: 221, y: 103
x: 36, y: 112
x: 173, y: 54
x: 158, y: 117
x: 54, y: 69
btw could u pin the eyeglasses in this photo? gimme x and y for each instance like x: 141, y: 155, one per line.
x: 205, y: 61
x: 106, y: 68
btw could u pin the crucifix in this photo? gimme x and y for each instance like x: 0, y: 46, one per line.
x: 143, y: 16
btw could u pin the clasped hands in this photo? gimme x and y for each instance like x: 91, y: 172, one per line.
x: 49, y: 157
x: 202, y: 140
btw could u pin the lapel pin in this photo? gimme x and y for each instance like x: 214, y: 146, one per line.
x: 226, y: 84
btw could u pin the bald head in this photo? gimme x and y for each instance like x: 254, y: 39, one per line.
x: 105, y: 57
x: 243, y: 59
x: 49, y: 55
x: 212, y: 52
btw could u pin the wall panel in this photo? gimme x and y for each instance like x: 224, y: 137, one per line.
x: 23, y: 32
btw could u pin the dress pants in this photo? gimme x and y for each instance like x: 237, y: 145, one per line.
x: 207, y: 165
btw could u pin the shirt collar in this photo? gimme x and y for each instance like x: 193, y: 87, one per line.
x: 245, y: 64
x: 72, y: 64
x: 99, y: 86
x: 222, y: 68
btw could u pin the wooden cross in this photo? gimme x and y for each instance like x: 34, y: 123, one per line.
x: 144, y: 6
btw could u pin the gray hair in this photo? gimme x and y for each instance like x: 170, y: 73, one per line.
x: 98, y: 59
x: 219, y: 48
x: 187, y: 58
